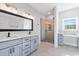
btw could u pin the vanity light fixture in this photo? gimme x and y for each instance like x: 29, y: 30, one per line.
x: 7, y: 4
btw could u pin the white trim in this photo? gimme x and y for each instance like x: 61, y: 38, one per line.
x: 56, y: 27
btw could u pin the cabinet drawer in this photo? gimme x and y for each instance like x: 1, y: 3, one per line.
x: 26, y: 39
x: 26, y: 45
x: 26, y: 52
x: 10, y: 43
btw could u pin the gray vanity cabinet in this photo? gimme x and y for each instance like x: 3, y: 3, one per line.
x: 34, y: 43
x: 5, y: 52
x: 19, y: 47
x: 11, y: 48
x: 26, y: 46
x: 16, y: 50
x: 11, y: 51
x: 30, y: 44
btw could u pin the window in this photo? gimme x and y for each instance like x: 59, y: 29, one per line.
x: 70, y: 23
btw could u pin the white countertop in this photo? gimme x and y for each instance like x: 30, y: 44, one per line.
x: 12, y: 38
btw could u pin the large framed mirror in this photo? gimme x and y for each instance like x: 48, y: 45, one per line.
x: 14, y: 22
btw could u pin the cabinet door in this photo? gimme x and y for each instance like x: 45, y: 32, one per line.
x: 32, y: 45
x: 17, y: 50
x: 4, y: 52
x: 35, y: 43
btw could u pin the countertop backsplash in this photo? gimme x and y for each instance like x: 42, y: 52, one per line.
x: 13, y: 34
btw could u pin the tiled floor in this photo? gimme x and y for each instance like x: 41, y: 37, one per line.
x: 47, y: 49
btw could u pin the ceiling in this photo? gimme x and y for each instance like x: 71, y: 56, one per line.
x: 43, y: 8
x: 67, y: 6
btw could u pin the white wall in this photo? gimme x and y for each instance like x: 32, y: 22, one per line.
x: 69, y: 14
x: 42, y: 29
x: 27, y: 8
x: 66, y: 6
x: 37, y: 15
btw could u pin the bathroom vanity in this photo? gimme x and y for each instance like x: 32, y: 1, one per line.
x: 18, y: 46
x: 69, y: 40
x: 12, y: 19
